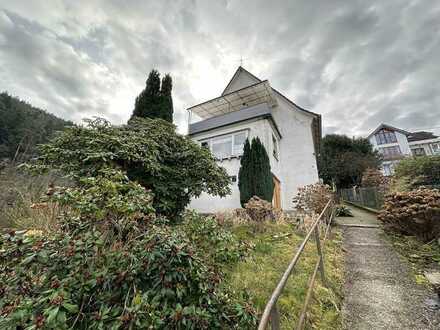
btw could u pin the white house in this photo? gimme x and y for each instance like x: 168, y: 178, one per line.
x: 394, y: 144
x: 249, y: 107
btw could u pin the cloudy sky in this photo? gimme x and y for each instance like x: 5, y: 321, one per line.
x: 358, y: 63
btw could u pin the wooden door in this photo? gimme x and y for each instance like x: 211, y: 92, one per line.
x: 276, y: 200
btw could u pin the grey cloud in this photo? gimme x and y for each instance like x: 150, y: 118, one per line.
x: 358, y: 63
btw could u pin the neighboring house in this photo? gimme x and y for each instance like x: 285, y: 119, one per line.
x: 248, y: 108
x: 395, y: 143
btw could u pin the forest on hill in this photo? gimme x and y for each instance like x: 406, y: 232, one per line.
x: 23, y: 127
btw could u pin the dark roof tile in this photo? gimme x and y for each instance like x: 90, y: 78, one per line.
x: 421, y: 135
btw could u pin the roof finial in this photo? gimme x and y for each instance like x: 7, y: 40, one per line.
x: 242, y: 60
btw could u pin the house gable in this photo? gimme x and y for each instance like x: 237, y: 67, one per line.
x: 241, y: 79
x: 389, y: 128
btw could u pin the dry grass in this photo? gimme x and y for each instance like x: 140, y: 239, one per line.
x: 421, y: 256
x: 20, y: 196
x: 261, y: 271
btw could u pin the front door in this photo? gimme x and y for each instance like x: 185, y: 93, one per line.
x: 276, y: 200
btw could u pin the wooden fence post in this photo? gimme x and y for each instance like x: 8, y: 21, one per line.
x: 275, y: 318
x: 320, y: 255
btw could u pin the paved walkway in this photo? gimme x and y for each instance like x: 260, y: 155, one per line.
x: 380, y: 292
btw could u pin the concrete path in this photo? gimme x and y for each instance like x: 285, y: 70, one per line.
x: 380, y: 292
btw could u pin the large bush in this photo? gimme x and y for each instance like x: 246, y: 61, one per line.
x: 84, y: 280
x: 415, y: 213
x: 149, y: 151
x: 113, y: 265
x: 112, y: 262
x: 418, y: 171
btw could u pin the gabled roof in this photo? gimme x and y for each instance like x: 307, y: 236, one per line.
x: 237, y: 73
x: 421, y: 135
x: 389, y: 127
x: 243, y: 70
x: 317, y: 125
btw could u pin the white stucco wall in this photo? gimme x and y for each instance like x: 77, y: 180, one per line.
x: 295, y: 167
x: 258, y: 127
x: 297, y: 154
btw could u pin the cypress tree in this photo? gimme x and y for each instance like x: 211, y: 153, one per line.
x: 155, y: 101
x: 244, y: 181
x: 255, y: 176
x: 167, y: 99
x: 147, y: 104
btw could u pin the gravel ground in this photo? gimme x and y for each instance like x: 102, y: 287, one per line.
x: 380, y: 291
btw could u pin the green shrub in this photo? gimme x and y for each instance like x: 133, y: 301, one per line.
x: 84, y: 280
x: 213, y: 242
x: 419, y: 171
x: 149, y: 151
x: 415, y: 213
x: 343, y: 211
x: 112, y: 263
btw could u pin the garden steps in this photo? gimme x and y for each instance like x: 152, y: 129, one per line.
x: 380, y: 291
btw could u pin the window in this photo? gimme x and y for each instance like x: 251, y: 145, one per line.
x: 385, y: 136
x: 418, y: 151
x: 226, y: 146
x: 390, y: 151
x: 221, y: 147
x: 239, y: 140
x: 435, y: 148
x: 275, y: 147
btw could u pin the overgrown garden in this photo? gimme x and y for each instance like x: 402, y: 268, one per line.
x: 116, y: 258
x: 104, y: 241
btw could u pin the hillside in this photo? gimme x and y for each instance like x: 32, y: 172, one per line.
x: 23, y: 126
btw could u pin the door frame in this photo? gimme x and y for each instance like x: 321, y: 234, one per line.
x: 276, y: 199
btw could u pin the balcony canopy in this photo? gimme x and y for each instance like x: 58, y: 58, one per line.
x: 243, y: 98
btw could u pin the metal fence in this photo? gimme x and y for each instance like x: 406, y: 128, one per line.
x: 370, y: 197
x: 271, y: 314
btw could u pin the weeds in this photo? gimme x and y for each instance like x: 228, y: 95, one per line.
x: 20, y: 197
x: 421, y: 256
x: 260, y: 272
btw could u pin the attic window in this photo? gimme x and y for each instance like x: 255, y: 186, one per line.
x: 385, y: 136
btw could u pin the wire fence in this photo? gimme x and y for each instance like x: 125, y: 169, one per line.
x: 370, y: 197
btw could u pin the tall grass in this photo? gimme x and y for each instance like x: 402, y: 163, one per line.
x: 260, y: 273
x: 20, y: 197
